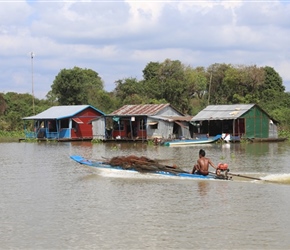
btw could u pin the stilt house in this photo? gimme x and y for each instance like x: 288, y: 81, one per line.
x: 63, y: 123
x: 142, y: 122
x: 235, y: 122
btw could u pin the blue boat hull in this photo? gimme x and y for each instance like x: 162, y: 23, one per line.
x: 102, y: 165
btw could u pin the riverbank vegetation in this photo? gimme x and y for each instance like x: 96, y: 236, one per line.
x: 188, y: 89
x: 11, y: 136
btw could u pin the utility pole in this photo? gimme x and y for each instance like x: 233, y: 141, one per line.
x: 210, y: 79
x: 32, y: 55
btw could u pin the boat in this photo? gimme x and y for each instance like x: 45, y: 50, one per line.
x: 188, y: 142
x: 280, y: 139
x: 99, y: 165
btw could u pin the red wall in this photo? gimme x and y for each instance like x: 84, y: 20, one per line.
x: 85, y: 130
x: 124, y: 133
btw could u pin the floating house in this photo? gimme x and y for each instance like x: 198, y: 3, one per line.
x: 62, y: 123
x: 142, y: 122
x: 235, y: 122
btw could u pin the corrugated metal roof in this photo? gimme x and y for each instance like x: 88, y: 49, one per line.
x: 144, y: 109
x: 172, y: 118
x: 222, y: 112
x: 181, y: 118
x: 59, y: 112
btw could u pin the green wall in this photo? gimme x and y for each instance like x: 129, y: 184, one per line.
x: 256, y: 123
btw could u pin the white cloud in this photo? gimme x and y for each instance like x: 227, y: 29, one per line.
x: 118, y: 38
x: 12, y: 14
x: 144, y: 14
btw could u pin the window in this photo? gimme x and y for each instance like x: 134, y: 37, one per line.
x: 64, y: 123
x: 153, y: 125
x: 52, y: 126
x: 118, y: 125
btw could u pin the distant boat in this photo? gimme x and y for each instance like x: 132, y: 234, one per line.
x: 188, y: 142
x: 280, y: 139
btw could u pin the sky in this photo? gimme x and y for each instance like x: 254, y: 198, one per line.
x: 117, y: 39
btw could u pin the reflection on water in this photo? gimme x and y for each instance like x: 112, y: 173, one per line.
x: 50, y: 202
x: 203, y: 188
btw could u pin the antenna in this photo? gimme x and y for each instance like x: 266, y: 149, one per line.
x: 32, y: 55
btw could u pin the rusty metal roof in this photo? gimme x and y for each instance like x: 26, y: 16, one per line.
x: 181, y: 118
x: 173, y: 118
x: 142, y: 109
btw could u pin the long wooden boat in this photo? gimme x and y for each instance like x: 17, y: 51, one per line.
x: 280, y: 139
x: 188, y: 142
x: 98, y: 165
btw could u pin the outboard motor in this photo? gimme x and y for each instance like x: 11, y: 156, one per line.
x: 222, y: 171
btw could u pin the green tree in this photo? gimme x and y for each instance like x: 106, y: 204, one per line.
x: 216, y: 74
x: 167, y: 81
x: 272, y: 80
x: 239, y: 84
x: 73, y: 86
x: 129, y: 91
x: 151, y: 71
x: 3, y: 104
x: 233, y: 85
x: 197, y: 81
x: 104, y: 101
x: 186, y: 88
x: 151, y: 82
x: 251, y: 78
x: 17, y: 107
x: 51, y: 98
x: 272, y: 92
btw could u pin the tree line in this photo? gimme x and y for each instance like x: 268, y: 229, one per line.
x: 187, y: 88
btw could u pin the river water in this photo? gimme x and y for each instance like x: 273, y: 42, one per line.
x: 50, y: 202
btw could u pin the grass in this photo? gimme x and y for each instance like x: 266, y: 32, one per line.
x: 284, y: 133
x: 11, y: 136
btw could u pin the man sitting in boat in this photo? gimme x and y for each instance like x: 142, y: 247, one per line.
x: 202, y: 164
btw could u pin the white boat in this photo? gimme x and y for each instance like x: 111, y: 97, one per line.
x: 188, y: 142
